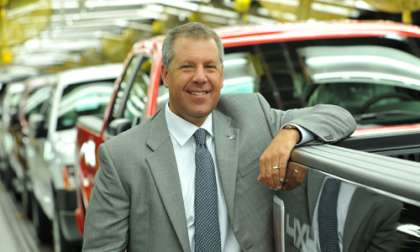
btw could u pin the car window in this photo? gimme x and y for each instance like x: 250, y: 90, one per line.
x: 36, y: 99
x: 375, y: 83
x: 136, y: 103
x: 126, y: 82
x: 240, y: 75
x: 83, y: 99
x: 284, y: 75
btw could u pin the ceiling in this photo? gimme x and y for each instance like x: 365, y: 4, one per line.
x: 56, y: 34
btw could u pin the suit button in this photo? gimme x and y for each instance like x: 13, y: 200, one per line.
x: 329, y: 137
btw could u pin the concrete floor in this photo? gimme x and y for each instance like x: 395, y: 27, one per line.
x: 16, y: 231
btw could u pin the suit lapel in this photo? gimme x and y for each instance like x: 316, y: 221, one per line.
x: 163, y: 167
x: 226, y: 148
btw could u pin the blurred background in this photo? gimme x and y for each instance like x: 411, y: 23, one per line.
x: 41, y: 41
x: 52, y: 35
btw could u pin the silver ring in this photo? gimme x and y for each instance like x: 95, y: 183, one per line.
x: 275, y: 167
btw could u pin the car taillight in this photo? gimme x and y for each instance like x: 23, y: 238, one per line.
x: 68, y: 177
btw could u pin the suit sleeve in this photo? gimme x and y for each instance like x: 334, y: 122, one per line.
x: 328, y: 123
x: 106, y: 225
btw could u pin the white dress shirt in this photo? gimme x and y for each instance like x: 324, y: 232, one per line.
x: 181, y: 133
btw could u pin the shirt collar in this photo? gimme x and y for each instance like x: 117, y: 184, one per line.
x: 182, y: 130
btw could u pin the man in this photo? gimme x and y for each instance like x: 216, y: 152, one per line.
x: 150, y: 193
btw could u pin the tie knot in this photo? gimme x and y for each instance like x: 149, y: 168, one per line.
x: 200, y: 136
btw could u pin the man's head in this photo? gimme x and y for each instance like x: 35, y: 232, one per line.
x: 192, y: 70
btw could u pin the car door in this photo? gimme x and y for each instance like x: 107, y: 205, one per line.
x: 132, y: 96
x: 378, y: 199
x: 39, y: 154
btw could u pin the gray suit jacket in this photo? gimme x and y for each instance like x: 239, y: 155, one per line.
x: 137, y: 201
x: 370, y: 225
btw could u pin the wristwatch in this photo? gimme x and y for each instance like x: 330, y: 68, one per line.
x: 290, y: 126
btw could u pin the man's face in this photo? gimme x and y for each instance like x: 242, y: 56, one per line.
x: 194, y: 78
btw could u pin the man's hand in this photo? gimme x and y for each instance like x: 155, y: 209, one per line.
x: 273, y: 161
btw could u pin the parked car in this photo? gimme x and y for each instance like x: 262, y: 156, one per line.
x: 33, y: 99
x: 8, y: 76
x: 9, y: 126
x: 50, y: 149
x: 265, y: 59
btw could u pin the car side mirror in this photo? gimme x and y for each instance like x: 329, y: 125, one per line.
x: 37, y: 127
x: 119, y: 125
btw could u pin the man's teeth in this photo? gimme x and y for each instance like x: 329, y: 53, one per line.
x: 198, y: 92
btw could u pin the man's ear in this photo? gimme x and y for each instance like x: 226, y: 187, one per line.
x: 164, y: 75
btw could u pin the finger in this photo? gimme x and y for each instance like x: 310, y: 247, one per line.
x: 267, y: 172
x: 276, y: 170
x: 281, y: 178
x: 273, y: 171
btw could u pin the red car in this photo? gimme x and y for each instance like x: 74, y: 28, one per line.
x: 282, y: 62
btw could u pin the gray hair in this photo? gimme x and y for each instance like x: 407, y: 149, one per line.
x: 190, y: 30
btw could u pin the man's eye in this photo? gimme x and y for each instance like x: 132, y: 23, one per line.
x: 186, y: 66
x: 211, y: 67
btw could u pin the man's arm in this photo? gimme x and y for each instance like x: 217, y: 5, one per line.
x: 106, y: 225
x: 327, y: 123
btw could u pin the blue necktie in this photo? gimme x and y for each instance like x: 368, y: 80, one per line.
x: 327, y: 216
x: 207, y: 231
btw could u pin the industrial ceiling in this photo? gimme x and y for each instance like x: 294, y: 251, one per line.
x: 55, y: 34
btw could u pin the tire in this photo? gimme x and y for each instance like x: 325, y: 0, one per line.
x: 27, y: 199
x: 8, y: 179
x: 41, y: 223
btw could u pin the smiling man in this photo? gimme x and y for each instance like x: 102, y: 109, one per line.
x: 197, y: 176
x: 195, y: 77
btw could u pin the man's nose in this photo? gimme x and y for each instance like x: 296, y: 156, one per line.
x: 200, y: 75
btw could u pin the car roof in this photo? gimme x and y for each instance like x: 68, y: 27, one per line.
x: 41, y: 80
x: 87, y: 74
x: 311, y: 30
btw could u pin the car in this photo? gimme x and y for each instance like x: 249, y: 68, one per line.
x: 264, y: 59
x: 49, y: 149
x: 32, y: 99
x: 9, y: 126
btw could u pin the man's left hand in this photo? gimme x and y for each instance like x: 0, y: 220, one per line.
x: 273, y: 161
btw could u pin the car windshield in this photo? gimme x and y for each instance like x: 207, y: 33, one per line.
x: 376, y: 84
x: 376, y: 79
x: 83, y: 99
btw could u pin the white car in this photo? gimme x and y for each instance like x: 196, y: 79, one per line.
x: 50, y: 150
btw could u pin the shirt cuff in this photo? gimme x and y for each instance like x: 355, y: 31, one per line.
x: 305, y: 135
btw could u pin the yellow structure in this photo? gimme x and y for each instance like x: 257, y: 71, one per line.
x: 406, y: 7
x: 21, y: 20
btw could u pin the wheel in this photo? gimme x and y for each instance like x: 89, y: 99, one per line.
x: 41, y: 223
x: 27, y: 200
x: 8, y: 178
